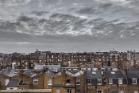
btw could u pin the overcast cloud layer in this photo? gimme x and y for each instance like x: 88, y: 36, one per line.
x: 69, y: 25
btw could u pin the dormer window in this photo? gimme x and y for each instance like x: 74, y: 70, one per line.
x: 134, y: 80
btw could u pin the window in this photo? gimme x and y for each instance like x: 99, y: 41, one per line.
x: 99, y: 91
x: 11, y: 88
x: 110, y: 81
x: 58, y: 91
x: 89, y: 81
x: 50, y: 81
x: 120, y: 81
x: 99, y: 82
x: 136, y: 92
x: 69, y: 90
x: 68, y: 82
x: 134, y: 80
x: 78, y: 81
x: 78, y: 90
x: 35, y: 81
x: 121, y: 91
x: 6, y: 82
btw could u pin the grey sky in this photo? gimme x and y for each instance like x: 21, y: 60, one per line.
x: 69, y: 25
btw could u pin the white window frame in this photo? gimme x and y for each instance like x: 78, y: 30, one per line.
x: 89, y: 81
x: 50, y: 82
x: 110, y: 81
x: 136, y: 91
x: 134, y: 82
x: 58, y: 91
x: 35, y: 81
x: 121, y: 91
x: 99, y: 81
x: 69, y: 90
x: 99, y: 91
x: 120, y: 81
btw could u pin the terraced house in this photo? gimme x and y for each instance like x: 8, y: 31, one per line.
x: 122, y: 60
x: 59, y: 79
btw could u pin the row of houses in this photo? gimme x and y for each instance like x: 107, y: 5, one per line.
x: 71, y: 79
x: 123, y: 60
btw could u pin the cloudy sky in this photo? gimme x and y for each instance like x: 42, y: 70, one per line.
x: 69, y: 25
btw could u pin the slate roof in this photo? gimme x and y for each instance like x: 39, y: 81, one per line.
x: 93, y: 74
x: 74, y: 72
x: 54, y: 68
x: 39, y: 67
x: 29, y: 73
x: 115, y: 74
x: 9, y: 72
x: 133, y: 73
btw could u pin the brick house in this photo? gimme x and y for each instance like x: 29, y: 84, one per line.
x: 133, y: 80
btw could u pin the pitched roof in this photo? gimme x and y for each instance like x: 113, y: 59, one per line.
x: 54, y: 68
x: 93, y: 74
x: 29, y: 73
x: 74, y: 72
x: 115, y: 74
x: 133, y: 73
x: 39, y: 67
x: 13, y: 83
x: 9, y: 72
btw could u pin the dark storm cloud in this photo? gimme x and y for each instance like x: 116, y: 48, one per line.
x: 66, y: 24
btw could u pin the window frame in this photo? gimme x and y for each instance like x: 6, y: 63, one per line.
x: 69, y: 90
x: 136, y: 81
x: 35, y: 81
x: 120, y: 81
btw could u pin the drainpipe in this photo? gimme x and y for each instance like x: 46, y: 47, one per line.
x: 75, y: 85
x: 86, y: 85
